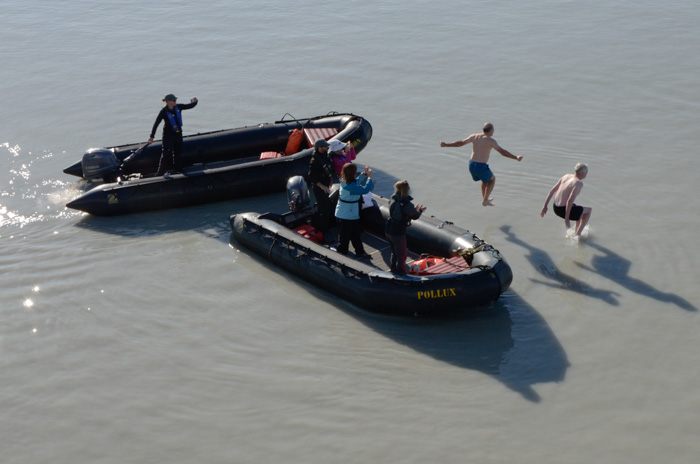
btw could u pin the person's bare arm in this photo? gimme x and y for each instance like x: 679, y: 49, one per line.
x: 458, y: 143
x: 506, y: 153
x: 570, y: 203
x: 549, y: 197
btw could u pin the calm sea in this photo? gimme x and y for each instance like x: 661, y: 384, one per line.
x: 150, y: 338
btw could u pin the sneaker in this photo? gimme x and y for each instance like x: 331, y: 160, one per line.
x: 363, y: 254
x: 168, y: 175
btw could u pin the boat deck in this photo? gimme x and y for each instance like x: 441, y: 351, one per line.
x: 377, y: 247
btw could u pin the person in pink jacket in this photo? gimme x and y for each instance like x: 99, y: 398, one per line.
x: 340, y: 154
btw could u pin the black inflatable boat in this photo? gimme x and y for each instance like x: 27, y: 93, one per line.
x: 452, y: 270
x: 219, y: 165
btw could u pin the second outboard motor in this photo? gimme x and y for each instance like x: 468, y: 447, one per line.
x: 298, y: 194
x: 100, y: 165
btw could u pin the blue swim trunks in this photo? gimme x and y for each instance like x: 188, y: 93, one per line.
x: 480, y: 171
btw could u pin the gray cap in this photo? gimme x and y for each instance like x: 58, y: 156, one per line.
x: 321, y: 143
x: 170, y: 97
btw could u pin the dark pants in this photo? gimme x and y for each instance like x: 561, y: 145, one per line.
x: 349, y: 230
x: 398, y: 253
x: 322, y: 219
x: 170, y: 156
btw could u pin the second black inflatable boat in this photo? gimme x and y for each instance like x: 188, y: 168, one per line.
x: 219, y: 165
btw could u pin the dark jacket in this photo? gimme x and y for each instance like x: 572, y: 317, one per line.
x: 320, y: 170
x: 401, y: 212
x: 163, y: 116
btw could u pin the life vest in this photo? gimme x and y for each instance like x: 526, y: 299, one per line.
x: 326, y: 163
x: 326, y: 166
x: 310, y: 232
x: 175, y: 119
x: 420, y: 266
x: 294, y: 142
x: 432, y: 265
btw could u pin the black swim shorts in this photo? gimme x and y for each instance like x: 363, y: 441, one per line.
x: 574, y: 215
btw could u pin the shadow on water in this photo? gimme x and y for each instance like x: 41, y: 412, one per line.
x: 201, y: 218
x: 508, y: 341
x: 616, y: 268
x: 543, y: 264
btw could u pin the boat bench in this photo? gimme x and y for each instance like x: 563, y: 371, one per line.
x: 270, y: 155
x: 432, y: 265
x: 315, y: 133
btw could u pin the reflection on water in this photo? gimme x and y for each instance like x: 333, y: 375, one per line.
x: 26, y: 200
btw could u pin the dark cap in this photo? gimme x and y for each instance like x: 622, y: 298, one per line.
x: 321, y: 143
x: 170, y: 97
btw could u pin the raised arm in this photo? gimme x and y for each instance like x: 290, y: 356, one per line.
x: 506, y: 153
x: 186, y: 106
x: 458, y: 143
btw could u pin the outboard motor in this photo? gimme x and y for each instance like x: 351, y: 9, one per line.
x: 100, y: 165
x: 298, y: 195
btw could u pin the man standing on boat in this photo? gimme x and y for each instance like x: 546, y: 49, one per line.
x: 481, y: 150
x: 320, y: 177
x: 170, y: 161
x: 565, y: 192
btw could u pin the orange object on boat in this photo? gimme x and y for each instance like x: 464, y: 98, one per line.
x: 310, y: 232
x: 435, y: 265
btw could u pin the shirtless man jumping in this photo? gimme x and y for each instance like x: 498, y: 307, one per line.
x: 565, y: 192
x: 481, y: 150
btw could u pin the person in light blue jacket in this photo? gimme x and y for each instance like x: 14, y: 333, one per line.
x: 348, y: 210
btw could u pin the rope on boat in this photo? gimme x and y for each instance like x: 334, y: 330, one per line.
x: 304, y: 251
x: 278, y: 240
x: 322, y: 259
x: 247, y: 228
x: 272, y: 245
x: 346, y: 272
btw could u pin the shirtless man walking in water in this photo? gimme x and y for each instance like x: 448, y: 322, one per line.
x: 481, y: 150
x: 565, y: 192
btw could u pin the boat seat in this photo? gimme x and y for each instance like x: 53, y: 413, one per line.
x: 270, y: 155
x: 434, y: 265
x: 314, y: 133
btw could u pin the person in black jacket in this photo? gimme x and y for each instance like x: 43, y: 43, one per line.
x: 320, y: 177
x: 170, y: 161
x: 401, y: 212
